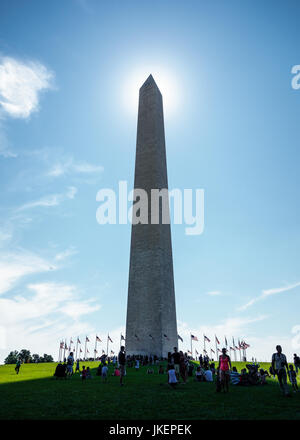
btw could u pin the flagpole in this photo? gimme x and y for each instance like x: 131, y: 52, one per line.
x: 216, y: 347
x: 234, y: 349
x: 191, y: 346
x: 59, y: 351
x: 85, y: 349
x: 204, y: 351
x: 107, y: 345
x: 76, y: 349
x: 95, y: 348
x: 65, y: 350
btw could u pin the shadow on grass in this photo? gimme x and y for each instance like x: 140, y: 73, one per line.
x: 143, y: 397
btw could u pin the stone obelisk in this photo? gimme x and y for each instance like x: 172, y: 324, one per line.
x: 151, y: 325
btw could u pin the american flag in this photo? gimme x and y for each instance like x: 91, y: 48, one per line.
x: 194, y: 338
x: 122, y: 337
x: 87, y: 350
x: 212, y: 350
x: 226, y: 341
x: 231, y: 348
x: 237, y: 348
x: 78, y: 341
x: 95, y: 351
x: 206, y: 338
x: 80, y: 351
x: 204, y: 351
x: 112, y: 352
x: 217, y: 340
x: 87, y: 339
x: 109, y: 338
x: 61, y: 345
x: 136, y: 337
x: 103, y: 352
x: 219, y: 350
x: 150, y: 336
x: 71, y: 341
x: 196, y: 352
x: 98, y: 339
x: 179, y: 337
x: 189, y: 352
x: 66, y: 347
x: 166, y: 337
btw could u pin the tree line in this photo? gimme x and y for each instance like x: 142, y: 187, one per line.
x: 26, y: 357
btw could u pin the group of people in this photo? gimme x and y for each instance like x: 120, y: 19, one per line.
x: 66, y: 369
x: 179, y: 367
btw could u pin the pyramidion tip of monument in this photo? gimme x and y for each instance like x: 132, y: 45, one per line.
x: 149, y: 82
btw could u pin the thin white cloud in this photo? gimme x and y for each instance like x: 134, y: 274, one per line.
x: 5, y: 147
x: 20, y: 86
x: 268, y: 292
x: 43, y: 315
x: 65, y: 254
x: 70, y: 166
x: 14, y: 266
x: 214, y: 293
x: 51, y: 200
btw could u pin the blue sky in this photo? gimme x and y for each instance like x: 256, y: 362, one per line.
x: 69, y: 77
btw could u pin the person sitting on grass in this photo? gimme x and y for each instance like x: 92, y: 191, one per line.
x: 234, y: 376
x: 60, y: 371
x: 293, y: 378
x: 262, y: 377
x: 137, y: 365
x: 199, y: 377
x: 161, y: 370
x: 244, y: 381
x: 83, y: 373
x: 104, y: 373
x: 116, y: 372
x: 172, y: 379
x: 208, y: 375
x: 150, y: 371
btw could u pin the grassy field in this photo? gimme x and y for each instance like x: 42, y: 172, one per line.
x: 35, y: 394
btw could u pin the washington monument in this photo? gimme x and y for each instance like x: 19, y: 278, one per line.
x: 151, y: 326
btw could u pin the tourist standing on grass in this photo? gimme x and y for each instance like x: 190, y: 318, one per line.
x: 293, y: 378
x: 296, y: 363
x: 176, y: 361
x: 182, y: 366
x: 18, y: 365
x: 224, y: 367
x: 83, y: 373
x: 280, y: 366
x: 70, y: 363
x: 77, y: 366
x: 122, y: 364
x: 104, y: 373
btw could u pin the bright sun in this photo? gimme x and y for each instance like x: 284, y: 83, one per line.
x: 165, y: 81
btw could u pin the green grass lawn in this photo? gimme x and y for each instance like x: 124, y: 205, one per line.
x: 35, y: 394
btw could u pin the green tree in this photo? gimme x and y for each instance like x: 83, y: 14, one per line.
x: 35, y: 357
x: 25, y: 355
x: 48, y: 358
x: 12, y: 357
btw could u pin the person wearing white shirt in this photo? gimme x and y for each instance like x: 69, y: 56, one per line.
x: 208, y: 376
